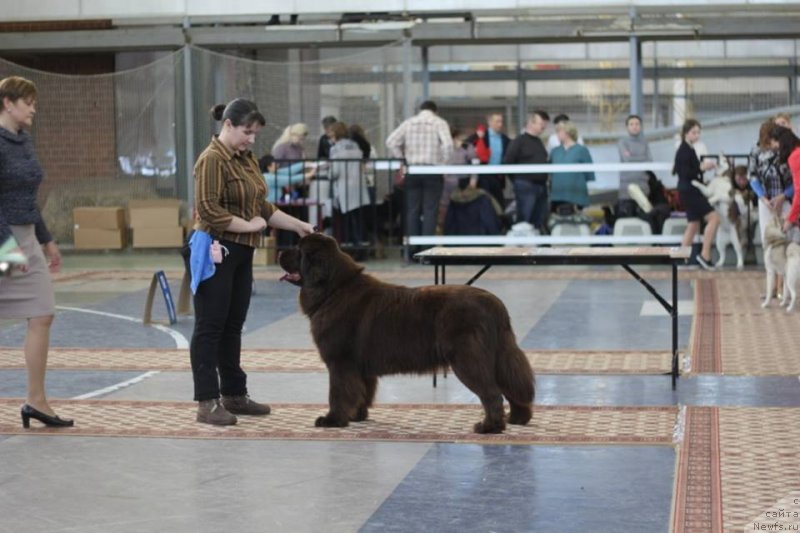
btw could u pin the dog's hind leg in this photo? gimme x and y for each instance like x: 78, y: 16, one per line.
x: 494, y: 417
x: 515, y: 377
x: 737, y: 247
x: 346, y: 394
x: 480, y: 380
x: 791, y: 288
x: 370, y: 386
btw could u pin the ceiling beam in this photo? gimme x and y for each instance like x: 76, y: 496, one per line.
x: 552, y: 30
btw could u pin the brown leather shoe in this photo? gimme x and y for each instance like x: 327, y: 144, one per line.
x: 243, y: 405
x: 214, y: 413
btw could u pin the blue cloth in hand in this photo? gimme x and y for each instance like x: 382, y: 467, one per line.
x: 201, y: 265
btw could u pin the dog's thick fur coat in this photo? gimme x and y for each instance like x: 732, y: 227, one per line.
x: 365, y: 328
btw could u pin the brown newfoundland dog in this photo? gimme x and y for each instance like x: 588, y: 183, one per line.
x: 365, y: 328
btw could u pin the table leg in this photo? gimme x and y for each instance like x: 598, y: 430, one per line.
x: 674, y: 325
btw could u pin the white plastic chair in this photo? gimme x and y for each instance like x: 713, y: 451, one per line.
x: 674, y: 226
x: 631, y: 227
x: 570, y: 230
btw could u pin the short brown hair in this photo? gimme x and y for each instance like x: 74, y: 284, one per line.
x: 339, y: 130
x: 763, y: 133
x: 15, y: 87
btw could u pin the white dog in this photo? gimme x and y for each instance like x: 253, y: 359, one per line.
x: 792, y: 274
x: 718, y: 192
x: 775, y: 262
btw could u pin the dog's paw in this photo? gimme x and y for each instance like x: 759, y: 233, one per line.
x: 519, y: 418
x: 483, y: 428
x: 328, y: 421
x: 765, y: 304
x: 361, y: 415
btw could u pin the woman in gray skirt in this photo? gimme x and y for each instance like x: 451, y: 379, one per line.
x: 27, y: 292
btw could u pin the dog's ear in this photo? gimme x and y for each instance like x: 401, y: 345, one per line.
x: 315, y: 267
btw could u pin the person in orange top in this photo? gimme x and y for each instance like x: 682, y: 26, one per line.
x: 787, y: 144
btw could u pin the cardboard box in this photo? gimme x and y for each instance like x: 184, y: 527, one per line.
x: 161, y: 237
x: 100, y: 239
x: 99, y: 217
x: 154, y: 214
x: 267, y: 253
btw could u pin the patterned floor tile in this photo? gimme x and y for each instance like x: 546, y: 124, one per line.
x: 400, y: 422
x: 285, y: 360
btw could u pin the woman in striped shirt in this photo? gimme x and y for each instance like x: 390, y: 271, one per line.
x: 230, y: 204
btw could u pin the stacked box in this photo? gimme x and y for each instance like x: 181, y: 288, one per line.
x: 99, y: 228
x: 156, y: 223
x: 267, y: 252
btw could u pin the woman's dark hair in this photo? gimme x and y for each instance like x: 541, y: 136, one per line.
x: 688, y: 125
x: 738, y: 170
x: 787, y: 142
x: 265, y: 162
x: 357, y: 134
x: 240, y: 112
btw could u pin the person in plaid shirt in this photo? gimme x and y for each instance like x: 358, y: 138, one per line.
x: 424, y: 139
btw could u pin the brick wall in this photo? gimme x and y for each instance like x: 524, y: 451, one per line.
x: 74, y: 130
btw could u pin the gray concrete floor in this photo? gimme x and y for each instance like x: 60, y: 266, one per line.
x: 131, y: 485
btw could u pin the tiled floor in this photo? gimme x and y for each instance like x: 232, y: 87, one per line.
x: 121, y: 484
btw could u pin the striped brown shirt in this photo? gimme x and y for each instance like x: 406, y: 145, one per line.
x: 229, y: 184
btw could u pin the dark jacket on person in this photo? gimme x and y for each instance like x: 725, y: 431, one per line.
x: 20, y: 177
x: 363, y: 145
x: 472, y: 212
x: 527, y: 150
x: 324, y: 148
x: 687, y: 167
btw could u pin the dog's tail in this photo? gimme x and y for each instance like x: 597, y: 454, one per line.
x: 514, y: 373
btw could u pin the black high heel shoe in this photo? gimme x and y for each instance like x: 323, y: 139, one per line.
x: 27, y: 412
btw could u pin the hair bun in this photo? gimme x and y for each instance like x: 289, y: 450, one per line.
x: 217, y: 111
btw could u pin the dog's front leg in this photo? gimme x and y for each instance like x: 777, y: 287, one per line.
x: 346, y: 390
x: 722, y: 246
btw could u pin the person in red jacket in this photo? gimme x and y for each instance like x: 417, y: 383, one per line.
x: 481, y: 145
x: 787, y: 144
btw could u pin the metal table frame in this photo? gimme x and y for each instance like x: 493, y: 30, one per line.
x: 441, y: 257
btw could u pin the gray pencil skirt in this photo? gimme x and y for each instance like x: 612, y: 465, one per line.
x: 27, y: 294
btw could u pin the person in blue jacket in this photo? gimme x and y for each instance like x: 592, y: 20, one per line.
x: 569, y: 191
x: 279, y: 179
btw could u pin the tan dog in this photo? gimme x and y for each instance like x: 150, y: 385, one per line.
x: 775, y: 259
